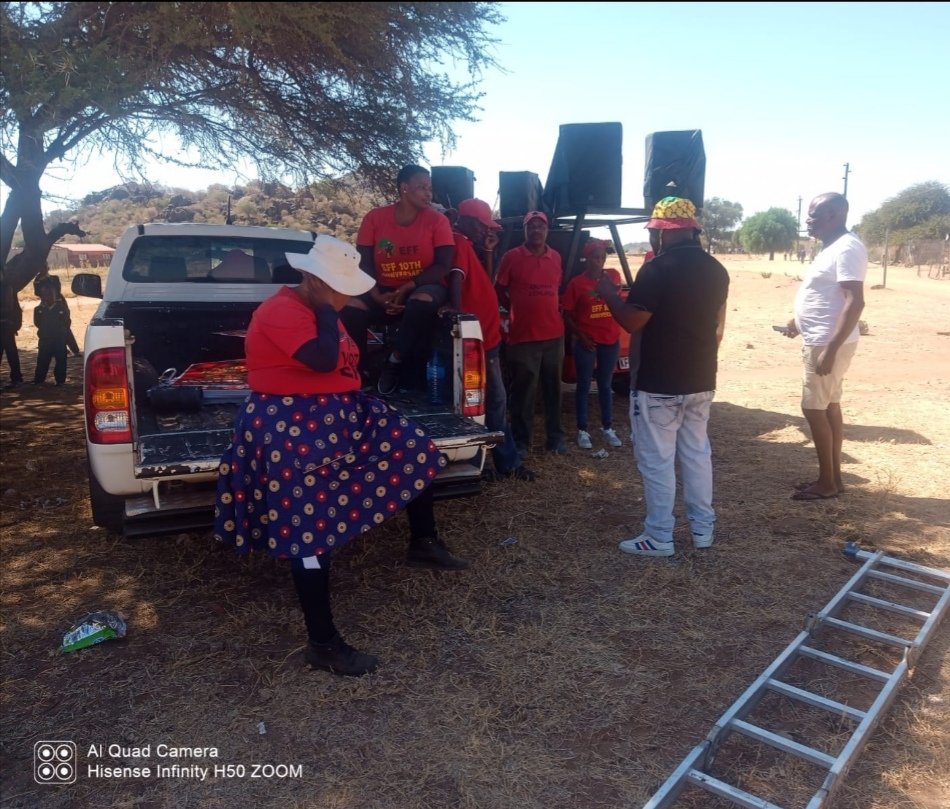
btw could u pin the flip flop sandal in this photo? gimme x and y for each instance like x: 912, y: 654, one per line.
x: 806, y: 483
x: 806, y: 495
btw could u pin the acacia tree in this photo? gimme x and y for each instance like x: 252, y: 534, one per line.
x: 768, y: 231
x: 304, y: 90
x: 719, y: 218
x: 919, y: 212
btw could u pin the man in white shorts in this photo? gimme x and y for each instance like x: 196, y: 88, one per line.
x: 828, y: 305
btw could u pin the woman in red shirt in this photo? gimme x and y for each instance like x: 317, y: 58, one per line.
x: 407, y: 247
x: 314, y: 461
x: 596, y: 341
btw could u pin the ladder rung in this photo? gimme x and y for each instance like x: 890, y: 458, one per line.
x: 724, y: 790
x: 890, y: 606
x: 816, y: 700
x: 871, y: 634
x: 780, y: 742
x: 913, y: 567
x: 841, y: 663
x: 912, y: 583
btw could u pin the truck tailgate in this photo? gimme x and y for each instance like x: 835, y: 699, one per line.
x: 184, y: 443
x: 449, y: 431
x: 191, y: 443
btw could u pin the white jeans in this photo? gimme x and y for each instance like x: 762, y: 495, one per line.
x: 667, y: 429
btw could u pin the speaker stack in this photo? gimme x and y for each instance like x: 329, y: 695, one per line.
x: 519, y: 192
x: 452, y: 184
x: 586, y: 171
x: 675, y: 167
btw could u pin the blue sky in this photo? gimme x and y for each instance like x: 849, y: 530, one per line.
x: 785, y: 94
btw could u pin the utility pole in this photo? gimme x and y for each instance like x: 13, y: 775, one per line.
x: 847, y: 169
x: 884, y: 259
x: 798, y: 232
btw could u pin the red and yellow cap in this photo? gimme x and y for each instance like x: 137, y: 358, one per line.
x: 674, y: 213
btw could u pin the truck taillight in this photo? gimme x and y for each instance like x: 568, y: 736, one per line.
x: 108, y: 417
x: 473, y: 377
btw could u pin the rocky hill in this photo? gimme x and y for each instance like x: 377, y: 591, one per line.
x: 331, y: 207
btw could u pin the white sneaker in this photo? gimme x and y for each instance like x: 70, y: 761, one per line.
x: 644, y: 545
x: 611, y: 437
x: 702, y: 540
x: 583, y: 439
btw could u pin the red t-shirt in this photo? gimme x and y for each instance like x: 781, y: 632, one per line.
x: 478, y: 295
x: 533, y: 283
x: 280, y: 326
x: 589, y: 309
x: 401, y: 252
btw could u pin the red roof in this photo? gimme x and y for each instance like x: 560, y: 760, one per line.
x: 86, y: 248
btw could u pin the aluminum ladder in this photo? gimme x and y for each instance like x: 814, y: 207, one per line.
x: 693, y: 770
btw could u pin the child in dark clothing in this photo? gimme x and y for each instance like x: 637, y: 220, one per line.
x: 52, y: 321
x: 45, y: 276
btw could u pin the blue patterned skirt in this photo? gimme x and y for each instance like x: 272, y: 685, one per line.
x: 306, y: 473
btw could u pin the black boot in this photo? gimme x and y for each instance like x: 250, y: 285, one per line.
x: 338, y: 657
x: 431, y: 552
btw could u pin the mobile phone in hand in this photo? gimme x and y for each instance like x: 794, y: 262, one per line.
x: 783, y: 330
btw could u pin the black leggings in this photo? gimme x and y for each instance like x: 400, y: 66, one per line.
x: 313, y: 590
x: 421, y: 516
x: 313, y: 584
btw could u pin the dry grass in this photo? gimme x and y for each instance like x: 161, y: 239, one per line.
x: 555, y: 673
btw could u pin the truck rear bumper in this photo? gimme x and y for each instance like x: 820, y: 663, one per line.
x: 183, y: 507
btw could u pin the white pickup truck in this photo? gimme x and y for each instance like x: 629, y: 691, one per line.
x: 178, y: 296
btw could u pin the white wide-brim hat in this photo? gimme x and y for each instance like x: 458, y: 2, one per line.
x: 334, y: 262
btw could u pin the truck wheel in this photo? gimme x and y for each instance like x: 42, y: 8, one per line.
x: 108, y: 510
x: 621, y: 384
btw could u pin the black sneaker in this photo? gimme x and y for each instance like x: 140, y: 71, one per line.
x: 338, y: 657
x: 389, y: 378
x: 432, y: 553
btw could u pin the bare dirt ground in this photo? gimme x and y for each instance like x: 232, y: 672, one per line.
x: 557, y: 672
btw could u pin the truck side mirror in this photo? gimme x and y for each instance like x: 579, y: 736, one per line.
x: 87, y: 284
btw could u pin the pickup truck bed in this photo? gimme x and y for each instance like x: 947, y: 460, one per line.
x: 153, y: 463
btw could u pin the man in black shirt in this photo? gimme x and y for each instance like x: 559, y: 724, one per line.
x: 678, y: 303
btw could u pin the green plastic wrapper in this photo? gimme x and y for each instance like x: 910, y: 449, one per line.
x: 93, y: 628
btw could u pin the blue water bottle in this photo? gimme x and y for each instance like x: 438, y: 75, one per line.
x: 435, y: 378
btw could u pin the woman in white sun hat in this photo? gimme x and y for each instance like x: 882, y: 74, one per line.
x: 314, y: 461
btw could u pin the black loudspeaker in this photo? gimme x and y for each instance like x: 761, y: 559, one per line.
x: 519, y: 192
x: 560, y: 240
x: 675, y: 167
x: 586, y: 171
x: 452, y: 184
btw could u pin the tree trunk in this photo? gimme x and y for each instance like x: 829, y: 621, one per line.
x: 9, y: 220
x: 24, y: 208
x: 772, y: 255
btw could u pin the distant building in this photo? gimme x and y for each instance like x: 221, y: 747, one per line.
x: 80, y: 255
